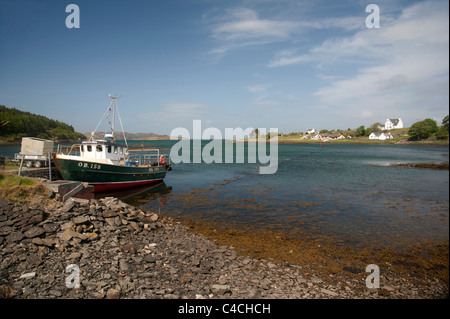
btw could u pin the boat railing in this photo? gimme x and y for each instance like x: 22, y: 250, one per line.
x: 136, y: 157
x: 68, y: 150
x: 151, y: 157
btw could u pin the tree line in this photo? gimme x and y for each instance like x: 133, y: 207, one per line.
x: 428, y: 128
x: 418, y: 131
x: 15, y: 124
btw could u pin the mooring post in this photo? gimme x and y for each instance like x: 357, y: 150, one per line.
x: 20, y: 167
x: 49, y: 166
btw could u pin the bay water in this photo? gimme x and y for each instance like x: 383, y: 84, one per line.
x: 349, y: 192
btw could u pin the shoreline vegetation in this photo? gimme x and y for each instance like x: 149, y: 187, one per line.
x: 125, y: 252
x: 15, y: 124
x: 290, y: 141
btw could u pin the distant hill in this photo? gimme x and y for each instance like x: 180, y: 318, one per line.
x: 130, y: 136
x: 15, y: 124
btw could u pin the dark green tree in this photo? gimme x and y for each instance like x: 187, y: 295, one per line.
x: 20, y: 124
x: 422, y: 129
x: 445, y: 122
x: 361, y: 131
x: 375, y: 127
x: 442, y: 133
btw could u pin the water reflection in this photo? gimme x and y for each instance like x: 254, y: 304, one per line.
x: 138, y: 196
x: 343, y: 191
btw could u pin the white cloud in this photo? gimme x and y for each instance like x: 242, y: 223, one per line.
x: 261, y: 95
x: 366, y: 114
x: 245, y: 24
x: 256, y: 88
x: 263, y: 100
x: 401, y: 59
x: 181, y: 108
x: 242, y: 27
x: 419, y: 25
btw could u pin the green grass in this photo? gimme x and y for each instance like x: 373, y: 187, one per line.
x: 7, y: 181
x: 11, y: 165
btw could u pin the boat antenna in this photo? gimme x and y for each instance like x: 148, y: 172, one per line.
x: 111, y: 107
x: 101, y: 119
x: 121, y: 126
x: 114, y: 107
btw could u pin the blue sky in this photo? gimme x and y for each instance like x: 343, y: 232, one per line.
x: 286, y: 64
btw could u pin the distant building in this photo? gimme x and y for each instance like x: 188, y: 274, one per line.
x: 392, y: 124
x: 311, y: 131
x: 380, y: 136
x: 328, y: 137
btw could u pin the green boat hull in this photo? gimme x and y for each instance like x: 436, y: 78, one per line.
x: 106, y: 177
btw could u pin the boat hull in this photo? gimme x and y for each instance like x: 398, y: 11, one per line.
x: 105, y: 177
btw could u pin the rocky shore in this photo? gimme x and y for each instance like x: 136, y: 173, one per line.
x: 120, y: 251
x: 441, y: 166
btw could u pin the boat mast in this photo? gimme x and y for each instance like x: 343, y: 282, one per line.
x: 114, y: 107
x: 111, y: 107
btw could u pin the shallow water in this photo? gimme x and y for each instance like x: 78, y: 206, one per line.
x: 347, y: 192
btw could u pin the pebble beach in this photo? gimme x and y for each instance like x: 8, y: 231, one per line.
x: 122, y: 252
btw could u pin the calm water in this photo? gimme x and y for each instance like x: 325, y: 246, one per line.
x: 340, y: 190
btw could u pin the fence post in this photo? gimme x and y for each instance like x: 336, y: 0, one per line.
x: 49, y: 166
x: 20, y: 167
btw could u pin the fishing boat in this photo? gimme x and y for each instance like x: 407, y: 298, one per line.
x: 108, y: 165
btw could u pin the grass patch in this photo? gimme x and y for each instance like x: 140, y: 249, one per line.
x: 9, y: 165
x: 20, y: 189
x: 7, y: 181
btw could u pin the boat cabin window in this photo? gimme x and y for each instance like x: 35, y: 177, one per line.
x: 89, y: 148
x: 121, y: 150
x: 109, y: 148
x: 115, y: 150
x: 99, y: 148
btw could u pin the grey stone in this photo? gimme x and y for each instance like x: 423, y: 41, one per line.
x: 70, y: 203
x: 64, y: 236
x: 15, y: 237
x: 149, y: 259
x: 34, y: 232
x: 81, y: 220
x: 329, y: 292
x: 28, y: 275
x: 50, y: 227
x: 220, y: 289
x: 124, y: 266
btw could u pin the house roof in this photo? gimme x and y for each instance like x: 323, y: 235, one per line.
x: 376, y: 134
x: 394, y: 121
x: 331, y: 135
x: 379, y: 134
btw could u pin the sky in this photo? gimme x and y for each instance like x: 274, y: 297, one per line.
x: 285, y: 64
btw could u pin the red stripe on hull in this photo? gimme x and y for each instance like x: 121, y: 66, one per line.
x: 102, y: 187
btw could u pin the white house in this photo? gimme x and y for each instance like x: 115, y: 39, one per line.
x: 311, y: 131
x: 392, y: 124
x: 328, y: 137
x: 380, y: 136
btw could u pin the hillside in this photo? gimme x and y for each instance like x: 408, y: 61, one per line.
x: 131, y: 136
x: 15, y: 124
